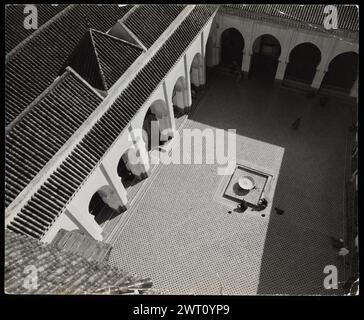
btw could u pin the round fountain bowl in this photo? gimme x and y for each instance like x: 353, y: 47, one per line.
x: 246, y: 183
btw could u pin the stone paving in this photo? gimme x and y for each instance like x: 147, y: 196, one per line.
x: 178, y: 234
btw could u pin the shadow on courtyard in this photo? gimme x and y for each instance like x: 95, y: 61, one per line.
x: 311, y: 179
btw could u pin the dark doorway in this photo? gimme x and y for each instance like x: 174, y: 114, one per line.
x: 99, y: 209
x: 156, y: 113
x: 127, y: 177
x: 264, y: 61
x: 96, y: 205
x: 342, y: 72
x: 232, y: 46
x: 303, y: 62
x: 147, y: 127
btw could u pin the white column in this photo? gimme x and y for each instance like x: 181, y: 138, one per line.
x: 187, y: 93
x: 317, y: 80
x: 138, y: 156
x: 172, y: 122
x: 143, y: 157
x: 120, y: 200
x: 281, y: 69
x: 164, y: 127
x: 202, y: 62
x: 85, y: 222
x: 216, y: 55
x: 216, y: 45
x: 202, y: 72
x: 354, y: 89
x: 245, y: 66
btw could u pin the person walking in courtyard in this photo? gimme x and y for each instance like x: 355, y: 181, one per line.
x: 296, y: 124
x: 243, y: 205
x: 262, y: 204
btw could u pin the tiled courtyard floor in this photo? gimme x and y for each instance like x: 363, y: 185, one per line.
x: 180, y: 235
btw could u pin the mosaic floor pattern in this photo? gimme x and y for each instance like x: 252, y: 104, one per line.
x: 188, y: 243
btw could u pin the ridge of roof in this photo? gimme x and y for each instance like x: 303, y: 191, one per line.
x: 37, y: 32
x: 155, y: 47
x: 135, y: 7
x: 101, y: 71
x: 161, y: 15
x: 132, y: 34
x: 35, y: 102
x: 42, y: 131
x: 78, y: 76
x: 15, y: 33
x: 101, y: 50
x: 117, y: 39
x: 69, y: 70
x: 35, y: 65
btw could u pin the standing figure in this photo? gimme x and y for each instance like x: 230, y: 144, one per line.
x: 296, y: 124
x: 243, y: 205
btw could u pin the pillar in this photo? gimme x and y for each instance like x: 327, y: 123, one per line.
x: 172, y: 122
x: 202, y: 62
x: 202, y: 70
x: 84, y: 222
x: 164, y: 127
x: 187, y: 94
x: 317, y: 80
x: 143, y: 156
x: 245, y: 66
x: 215, y: 55
x: 120, y: 200
x: 215, y: 52
x: 281, y: 70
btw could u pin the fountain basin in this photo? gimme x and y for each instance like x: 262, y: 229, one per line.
x: 246, y: 183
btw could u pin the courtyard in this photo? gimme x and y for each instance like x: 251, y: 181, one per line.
x: 180, y: 232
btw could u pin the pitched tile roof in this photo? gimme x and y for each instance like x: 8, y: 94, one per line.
x: 62, y: 272
x: 15, y: 32
x: 148, y: 22
x: 48, y: 123
x: 309, y: 16
x: 39, y: 60
x: 101, y: 59
x: 53, y: 195
x: 77, y: 241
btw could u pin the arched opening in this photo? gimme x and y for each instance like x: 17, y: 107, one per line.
x: 303, y: 62
x: 103, y: 204
x: 264, y: 60
x: 342, y: 72
x: 179, y: 97
x: 156, y: 124
x: 124, y: 171
x: 196, y: 74
x: 232, y: 46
